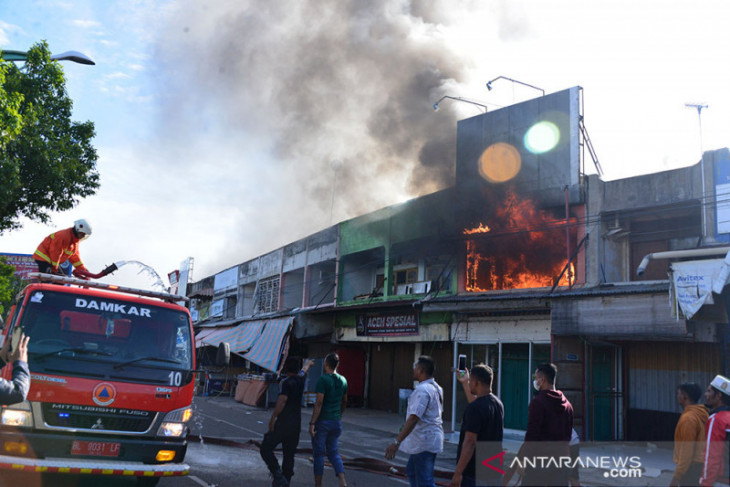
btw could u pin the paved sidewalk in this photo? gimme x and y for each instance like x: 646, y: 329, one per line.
x: 367, y: 432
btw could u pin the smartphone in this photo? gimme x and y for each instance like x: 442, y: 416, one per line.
x: 15, y: 338
x: 462, y: 363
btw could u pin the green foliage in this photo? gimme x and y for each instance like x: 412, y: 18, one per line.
x: 47, y: 162
x: 10, y: 285
x: 10, y: 119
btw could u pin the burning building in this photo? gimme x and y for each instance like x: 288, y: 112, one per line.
x: 525, y: 259
x: 521, y: 247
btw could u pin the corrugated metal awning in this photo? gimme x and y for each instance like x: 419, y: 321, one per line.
x: 241, y: 337
x: 206, y: 292
x: 267, y: 350
x: 631, y: 316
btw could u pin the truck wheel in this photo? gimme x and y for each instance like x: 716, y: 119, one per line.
x: 147, y: 481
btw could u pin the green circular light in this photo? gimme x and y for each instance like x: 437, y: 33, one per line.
x: 542, y: 137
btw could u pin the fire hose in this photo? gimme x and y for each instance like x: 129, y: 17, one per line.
x: 82, y: 274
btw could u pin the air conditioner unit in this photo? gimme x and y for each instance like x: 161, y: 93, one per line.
x: 422, y: 287
x: 403, y: 289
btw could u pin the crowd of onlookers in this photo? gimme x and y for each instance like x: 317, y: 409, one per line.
x: 700, y: 448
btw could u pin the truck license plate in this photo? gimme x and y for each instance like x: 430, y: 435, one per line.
x: 95, y: 448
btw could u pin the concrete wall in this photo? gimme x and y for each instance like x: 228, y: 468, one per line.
x: 295, y: 256
x: 611, y: 203
x: 657, y: 189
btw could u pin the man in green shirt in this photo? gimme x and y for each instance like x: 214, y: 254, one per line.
x: 326, y: 424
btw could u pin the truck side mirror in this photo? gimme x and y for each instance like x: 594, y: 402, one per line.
x: 223, y: 356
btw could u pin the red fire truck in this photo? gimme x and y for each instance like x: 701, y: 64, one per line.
x: 112, y: 378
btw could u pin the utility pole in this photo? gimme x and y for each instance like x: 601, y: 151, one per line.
x: 704, y: 203
x: 336, y: 165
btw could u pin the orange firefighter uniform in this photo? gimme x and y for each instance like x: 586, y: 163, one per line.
x: 59, y: 247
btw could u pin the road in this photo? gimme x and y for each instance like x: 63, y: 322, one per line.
x: 228, y: 459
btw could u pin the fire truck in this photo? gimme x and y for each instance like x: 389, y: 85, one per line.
x: 112, y: 378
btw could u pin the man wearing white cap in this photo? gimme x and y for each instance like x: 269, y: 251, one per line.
x: 717, y: 398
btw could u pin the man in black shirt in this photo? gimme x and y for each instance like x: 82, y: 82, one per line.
x: 483, y: 421
x: 285, y: 423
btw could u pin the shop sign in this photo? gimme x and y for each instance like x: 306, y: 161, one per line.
x: 387, y: 324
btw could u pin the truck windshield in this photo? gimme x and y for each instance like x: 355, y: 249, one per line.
x: 67, y: 331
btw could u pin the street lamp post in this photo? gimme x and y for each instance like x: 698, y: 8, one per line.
x: 73, y: 56
x: 489, y: 84
x: 436, y: 105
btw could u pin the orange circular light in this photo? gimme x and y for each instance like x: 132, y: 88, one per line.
x: 500, y: 162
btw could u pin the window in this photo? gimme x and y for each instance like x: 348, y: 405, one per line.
x: 438, y: 271
x: 266, y: 297
x: 405, y: 276
x: 134, y: 340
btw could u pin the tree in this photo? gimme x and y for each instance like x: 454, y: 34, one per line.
x: 47, y: 162
x: 10, y: 285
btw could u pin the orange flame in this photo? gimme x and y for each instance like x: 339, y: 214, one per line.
x: 526, y: 249
x: 482, y: 228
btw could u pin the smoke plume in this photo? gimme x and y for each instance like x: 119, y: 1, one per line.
x: 305, y: 84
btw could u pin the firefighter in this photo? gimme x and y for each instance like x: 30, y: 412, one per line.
x: 63, y: 246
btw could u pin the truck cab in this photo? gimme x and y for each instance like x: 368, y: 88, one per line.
x: 112, y: 378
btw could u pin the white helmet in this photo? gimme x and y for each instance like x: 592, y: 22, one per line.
x: 82, y: 226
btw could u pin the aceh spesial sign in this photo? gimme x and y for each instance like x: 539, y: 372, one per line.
x: 387, y: 324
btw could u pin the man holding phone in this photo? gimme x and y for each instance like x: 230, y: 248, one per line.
x: 15, y: 390
x: 483, y: 421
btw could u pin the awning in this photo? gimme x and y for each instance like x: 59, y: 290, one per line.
x: 267, y: 350
x: 241, y: 337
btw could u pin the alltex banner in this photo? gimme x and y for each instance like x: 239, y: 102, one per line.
x: 694, y: 282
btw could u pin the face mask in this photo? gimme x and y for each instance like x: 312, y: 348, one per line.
x: 534, y: 384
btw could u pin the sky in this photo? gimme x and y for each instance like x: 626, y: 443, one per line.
x: 228, y: 129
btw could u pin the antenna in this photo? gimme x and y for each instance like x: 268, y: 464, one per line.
x: 699, y: 108
x: 336, y: 165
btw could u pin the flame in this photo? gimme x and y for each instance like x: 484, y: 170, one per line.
x: 482, y: 228
x: 525, y: 248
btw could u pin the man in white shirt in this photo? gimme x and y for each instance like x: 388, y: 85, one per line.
x: 422, y: 436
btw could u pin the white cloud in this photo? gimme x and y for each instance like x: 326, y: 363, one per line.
x: 6, y: 30
x: 85, y: 24
x: 117, y: 75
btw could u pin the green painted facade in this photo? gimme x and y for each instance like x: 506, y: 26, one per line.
x: 425, y: 224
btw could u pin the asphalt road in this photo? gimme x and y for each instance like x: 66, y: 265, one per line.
x: 239, y: 463
x: 219, y: 466
x: 226, y: 457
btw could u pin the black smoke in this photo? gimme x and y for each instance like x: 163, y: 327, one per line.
x: 312, y: 82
